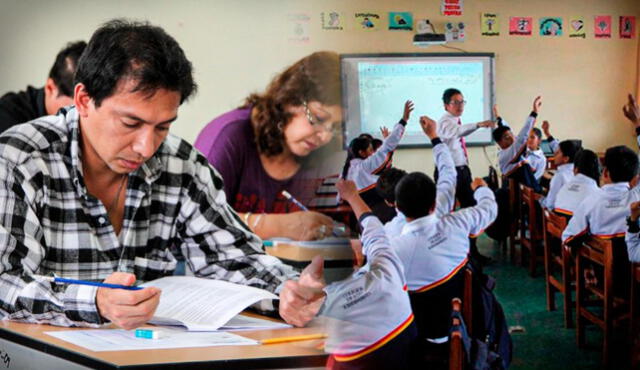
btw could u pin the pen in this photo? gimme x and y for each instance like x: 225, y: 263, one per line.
x: 302, y: 206
x: 294, y: 338
x: 59, y: 280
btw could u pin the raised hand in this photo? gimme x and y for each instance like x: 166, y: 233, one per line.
x: 408, y: 108
x: 384, y: 131
x: 537, y: 104
x: 631, y: 111
x: 477, y: 182
x: 545, y: 128
x: 429, y: 127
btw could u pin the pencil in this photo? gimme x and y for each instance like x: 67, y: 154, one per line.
x: 59, y: 280
x: 293, y: 338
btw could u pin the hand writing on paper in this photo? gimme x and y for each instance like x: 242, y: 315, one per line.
x: 306, y: 225
x: 408, y: 108
x: 301, y: 300
x: 127, y: 309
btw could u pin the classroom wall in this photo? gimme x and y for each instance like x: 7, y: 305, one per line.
x: 237, y: 46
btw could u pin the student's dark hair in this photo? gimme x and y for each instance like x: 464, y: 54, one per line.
x: 376, y: 143
x: 366, y: 135
x: 498, y: 132
x: 415, y: 195
x: 621, y: 162
x: 64, y: 67
x: 387, y: 181
x: 588, y: 164
x: 121, y: 49
x: 570, y: 148
x: 448, y: 93
x: 355, y: 146
x: 537, y: 132
x: 315, y: 77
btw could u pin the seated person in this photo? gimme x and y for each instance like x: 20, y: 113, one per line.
x: 563, y: 159
x: 355, y: 339
x: 363, y: 164
x: 57, y: 92
x: 103, y: 192
x: 632, y: 236
x: 512, y: 148
x: 434, y: 248
x: 553, y: 142
x: 533, y: 155
x: 604, y: 213
x: 446, y: 184
x: 583, y: 185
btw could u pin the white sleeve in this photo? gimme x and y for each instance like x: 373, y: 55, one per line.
x: 555, y: 185
x: 512, y: 152
x: 538, y: 165
x: 448, y: 129
x: 447, y: 177
x: 554, y: 145
x: 633, y: 246
x: 375, y: 245
x: 378, y: 160
x: 479, y: 216
x: 579, y: 223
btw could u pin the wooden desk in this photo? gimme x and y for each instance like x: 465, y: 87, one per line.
x: 28, y: 347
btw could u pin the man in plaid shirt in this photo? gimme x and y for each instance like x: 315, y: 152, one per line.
x: 101, y: 191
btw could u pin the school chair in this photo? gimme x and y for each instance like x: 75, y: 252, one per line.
x: 514, y: 214
x: 531, y: 236
x: 611, y: 256
x: 456, y: 347
x: 635, y: 316
x: 558, y: 256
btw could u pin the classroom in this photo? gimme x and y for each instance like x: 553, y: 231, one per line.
x: 244, y: 157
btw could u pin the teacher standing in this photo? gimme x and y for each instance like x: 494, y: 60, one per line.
x: 260, y: 147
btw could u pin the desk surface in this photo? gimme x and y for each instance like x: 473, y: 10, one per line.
x: 292, y: 354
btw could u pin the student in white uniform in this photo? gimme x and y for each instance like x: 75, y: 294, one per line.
x: 563, y: 159
x: 633, y: 233
x: 534, y: 156
x: 433, y: 249
x: 585, y: 183
x: 553, y: 142
x: 370, y: 319
x: 452, y: 132
x: 446, y: 185
x: 363, y: 164
x: 604, y: 213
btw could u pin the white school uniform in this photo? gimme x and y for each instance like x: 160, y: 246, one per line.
x: 452, y: 132
x: 633, y: 246
x: 509, y: 158
x: 537, y: 161
x: 432, y: 249
x: 445, y: 190
x: 604, y: 213
x: 364, y: 172
x: 564, y: 174
x: 372, y: 305
x: 574, y: 192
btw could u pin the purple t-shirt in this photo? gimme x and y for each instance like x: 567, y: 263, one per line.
x: 228, y: 142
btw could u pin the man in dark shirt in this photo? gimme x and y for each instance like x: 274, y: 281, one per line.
x: 57, y: 92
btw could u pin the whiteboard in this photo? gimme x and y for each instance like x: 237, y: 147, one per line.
x: 375, y: 87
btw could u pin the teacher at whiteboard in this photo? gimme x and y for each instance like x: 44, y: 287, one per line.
x: 452, y: 132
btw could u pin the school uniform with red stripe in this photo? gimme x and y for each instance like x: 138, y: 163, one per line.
x: 574, y: 192
x: 369, y: 318
x: 433, y: 250
x: 603, y: 214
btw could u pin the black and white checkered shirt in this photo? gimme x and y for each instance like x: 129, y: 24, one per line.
x: 175, y: 205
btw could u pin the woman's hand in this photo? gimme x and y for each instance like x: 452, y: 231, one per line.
x: 307, y: 225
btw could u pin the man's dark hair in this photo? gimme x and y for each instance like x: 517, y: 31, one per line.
x: 588, y: 164
x: 122, y: 49
x: 537, y: 132
x: 498, y: 132
x: 570, y: 148
x: 387, y: 181
x: 65, y: 65
x: 448, y: 93
x: 376, y: 143
x: 415, y: 195
x: 621, y: 162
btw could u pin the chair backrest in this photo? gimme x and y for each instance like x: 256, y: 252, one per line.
x: 528, y: 197
x: 554, y: 224
x: 456, y: 349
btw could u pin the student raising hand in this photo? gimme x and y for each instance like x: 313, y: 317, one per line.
x: 631, y: 111
x: 537, y: 104
x: 384, y: 131
x: 545, y: 128
x: 408, y: 108
x: 429, y: 126
x: 300, y: 300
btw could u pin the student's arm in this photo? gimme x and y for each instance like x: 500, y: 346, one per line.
x: 579, y: 223
x: 538, y: 165
x: 379, y: 160
x: 632, y: 237
x: 556, y: 183
x: 515, y: 150
x: 447, y: 177
x: 449, y: 129
x: 554, y: 144
x: 480, y: 216
x: 22, y: 250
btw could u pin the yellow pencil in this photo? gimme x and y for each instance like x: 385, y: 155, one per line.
x: 294, y: 338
